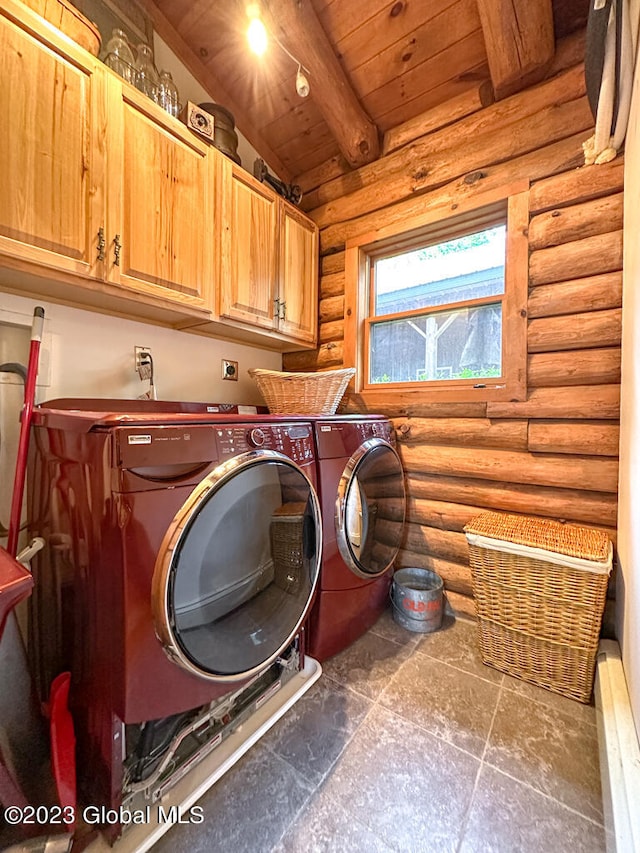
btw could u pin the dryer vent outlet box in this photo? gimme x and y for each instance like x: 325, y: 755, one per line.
x: 229, y: 369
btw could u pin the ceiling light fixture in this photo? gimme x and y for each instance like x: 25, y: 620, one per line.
x: 257, y: 36
x: 258, y: 40
x: 302, y: 84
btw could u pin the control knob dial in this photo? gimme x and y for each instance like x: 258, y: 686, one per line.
x: 256, y: 437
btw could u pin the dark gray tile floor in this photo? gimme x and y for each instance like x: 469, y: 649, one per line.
x: 408, y: 743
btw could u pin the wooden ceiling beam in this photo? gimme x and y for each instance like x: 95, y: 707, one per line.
x: 296, y: 25
x: 520, y: 42
x: 476, y: 97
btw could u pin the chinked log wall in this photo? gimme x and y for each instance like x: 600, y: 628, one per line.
x: 556, y: 454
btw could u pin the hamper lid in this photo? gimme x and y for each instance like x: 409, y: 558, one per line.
x: 292, y: 510
x: 571, y: 540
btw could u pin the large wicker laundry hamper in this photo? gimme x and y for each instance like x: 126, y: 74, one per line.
x: 540, y: 588
x: 286, y: 534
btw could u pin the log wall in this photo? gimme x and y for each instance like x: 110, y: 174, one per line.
x: 555, y: 454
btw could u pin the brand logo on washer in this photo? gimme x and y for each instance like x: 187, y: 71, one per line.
x: 139, y: 439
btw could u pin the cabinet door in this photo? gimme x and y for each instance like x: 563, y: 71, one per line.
x: 248, y: 256
x: 161, y: 223
x: 52, y: 155
x: 298, y: 276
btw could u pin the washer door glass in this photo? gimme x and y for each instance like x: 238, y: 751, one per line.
x: 235, y: 577
x: 370, y: 509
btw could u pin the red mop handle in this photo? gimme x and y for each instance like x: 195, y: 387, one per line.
x: 25, y: 429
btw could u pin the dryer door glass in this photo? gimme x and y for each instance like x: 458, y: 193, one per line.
x: 370, y: 509
x: 238, y: 570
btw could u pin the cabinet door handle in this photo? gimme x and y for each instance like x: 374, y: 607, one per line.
x: 117, y: 247
x: 282, y: 315
x: 276, y: 312
x: 102, y: 244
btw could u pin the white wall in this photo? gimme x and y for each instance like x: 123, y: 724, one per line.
x: 628, y: 585
x: 91, y: 355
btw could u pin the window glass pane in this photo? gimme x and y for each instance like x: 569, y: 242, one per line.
x: 469, y: 267
x: 461, y: 344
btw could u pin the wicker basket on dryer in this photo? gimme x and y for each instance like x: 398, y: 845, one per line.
x: 302, y: 393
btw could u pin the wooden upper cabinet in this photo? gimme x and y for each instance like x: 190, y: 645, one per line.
x: 268, y: 260
x: 161, y: 186
x: 108, y: 201
x: 298, y: 278
x: 52, y: 152
x: 248, y: 250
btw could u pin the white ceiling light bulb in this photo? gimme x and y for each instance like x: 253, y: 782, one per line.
x: 258, y: 42
x: 302, y: 84
x: 257, y: 36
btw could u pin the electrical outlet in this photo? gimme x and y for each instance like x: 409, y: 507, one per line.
x: 138, y: 354
x: 229, y: 369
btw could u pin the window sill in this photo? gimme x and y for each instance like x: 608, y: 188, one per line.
x: 381, y: 395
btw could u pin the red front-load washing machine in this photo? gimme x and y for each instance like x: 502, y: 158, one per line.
x: 361, y: 485
x: 182, y: 555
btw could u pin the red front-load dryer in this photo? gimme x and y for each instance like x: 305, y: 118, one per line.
x: 182, y: 554
x: 361, y: 485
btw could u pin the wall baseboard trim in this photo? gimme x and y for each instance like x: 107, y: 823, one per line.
x: 619, y: 752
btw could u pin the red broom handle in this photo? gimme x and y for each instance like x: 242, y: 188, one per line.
x: 25, y: 429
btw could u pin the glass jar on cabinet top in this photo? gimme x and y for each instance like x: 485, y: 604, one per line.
x: 169, y: 96
x: 119, y: 56
x: 147, y: 78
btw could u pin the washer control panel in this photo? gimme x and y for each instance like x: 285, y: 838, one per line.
x: 292, y: 440
x: 377, y: 429
x: 336, y: 439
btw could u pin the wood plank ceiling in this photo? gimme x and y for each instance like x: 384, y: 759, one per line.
x: 396, y: 59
